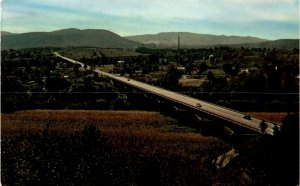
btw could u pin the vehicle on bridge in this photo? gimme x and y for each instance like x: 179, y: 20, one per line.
x: 247, y: 117
x: 198, y: 105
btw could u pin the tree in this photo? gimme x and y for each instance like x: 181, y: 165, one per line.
x: 76, y: 68
x: 121, y: 102
x: 210, y: 76
x: 288, y: 150
x: 171, y: 78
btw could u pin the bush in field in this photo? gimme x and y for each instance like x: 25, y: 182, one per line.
x: 121, y: 103
x: 99, y: 104
x: 7, y: 105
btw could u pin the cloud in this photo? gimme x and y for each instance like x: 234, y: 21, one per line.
x: 146, y: 16
x: 173, y: 9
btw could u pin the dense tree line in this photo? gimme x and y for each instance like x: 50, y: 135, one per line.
x: 31, y: 79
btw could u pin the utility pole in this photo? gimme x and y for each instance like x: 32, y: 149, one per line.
x: 178, y: 47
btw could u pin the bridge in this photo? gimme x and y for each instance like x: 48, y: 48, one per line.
x: 222, y: 113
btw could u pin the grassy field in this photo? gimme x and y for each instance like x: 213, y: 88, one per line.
x: 276, y: 117
x: 126, y: 148
x: 147, y: 128
x: 81, y: 147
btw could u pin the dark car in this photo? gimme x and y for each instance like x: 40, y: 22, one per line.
x: 247, y: 117
x: 198, y: 105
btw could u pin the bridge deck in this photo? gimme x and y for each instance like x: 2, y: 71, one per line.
x: 208, y: 108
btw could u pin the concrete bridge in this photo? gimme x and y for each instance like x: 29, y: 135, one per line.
x: 216, y: 111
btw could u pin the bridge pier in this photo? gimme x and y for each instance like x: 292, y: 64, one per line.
x: 111, y: 82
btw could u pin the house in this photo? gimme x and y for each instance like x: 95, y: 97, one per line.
x: 196, y: 62
x: 121, y: 62
x: 217, y: 60
x: 218, y: 73
x: 22, y: 69
x: 181, y: 68
x: 248, y: 70
x: 244, y: 71
x: 194, y: 71
x: 61, y: 65
x: 138, y: 72
x: 191, y: 82
x: 162, y: 60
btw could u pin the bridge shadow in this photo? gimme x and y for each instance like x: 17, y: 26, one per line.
x: 204, y: 124
x: 207, y: 126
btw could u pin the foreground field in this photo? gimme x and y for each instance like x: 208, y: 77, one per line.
x: 104, y: 147
x: 65, y: 147
x: 147, y: 128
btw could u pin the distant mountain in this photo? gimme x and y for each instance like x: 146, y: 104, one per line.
x: 106, y: 39
x: 281, y: 43
x: 170, y: 39
x: 66, y: 37
x: 3, y: 33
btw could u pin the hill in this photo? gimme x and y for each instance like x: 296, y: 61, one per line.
x: 66, y: 37
x: 106, y: 39
x: 280, y: 43
x: 4, y: 33
x: 170, y: 39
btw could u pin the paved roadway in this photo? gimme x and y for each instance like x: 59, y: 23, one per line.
x: 209, y: 108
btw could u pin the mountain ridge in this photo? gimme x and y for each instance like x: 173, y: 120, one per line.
x: 192, y: 39
x: 279, y: 43
x: 65, y: 38
x: 106, y: 39
x: 6, y: 33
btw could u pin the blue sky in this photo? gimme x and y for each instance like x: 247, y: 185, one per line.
x: 270, y: 19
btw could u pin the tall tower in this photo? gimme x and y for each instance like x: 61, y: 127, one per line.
x: 178, y: 47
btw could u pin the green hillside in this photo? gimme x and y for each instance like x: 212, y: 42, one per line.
x: 281, y: 43
x: 106, y: 39
x: 170, y: 39
x: 67, y: 37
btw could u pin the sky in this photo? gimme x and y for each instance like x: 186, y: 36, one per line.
x: 268, y: 19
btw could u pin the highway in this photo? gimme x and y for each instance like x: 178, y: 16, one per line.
x: 206, y: 107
